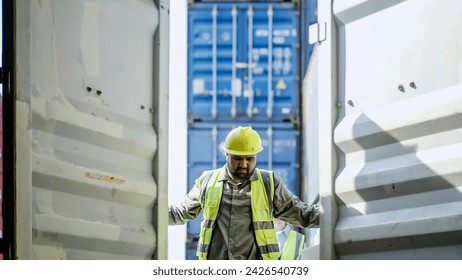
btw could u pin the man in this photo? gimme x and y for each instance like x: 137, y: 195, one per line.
x: 239, y: 203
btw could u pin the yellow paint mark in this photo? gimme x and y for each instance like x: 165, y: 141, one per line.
x: 281, y: 85
x: 109, y: 179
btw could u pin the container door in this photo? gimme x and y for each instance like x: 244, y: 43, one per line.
x: 243, y: 62
x: 91, y: 98
x: 214, y: 86
x: 386, y: 84
x: 271, y: 80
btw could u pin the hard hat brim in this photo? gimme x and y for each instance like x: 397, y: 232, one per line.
x: 242, y: 153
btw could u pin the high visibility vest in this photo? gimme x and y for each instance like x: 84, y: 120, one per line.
x: 293, y: 246
x: 262, y: 216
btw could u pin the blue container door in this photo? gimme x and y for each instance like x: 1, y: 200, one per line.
x: 271, y: 80
x: 212, y: 52
x: 237, y: 52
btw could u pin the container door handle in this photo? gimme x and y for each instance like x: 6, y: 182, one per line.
x: 233, y: 78
x: 250, y: 53
x: 214, y: 61
x: 215, y: 146
x: 269, y: 109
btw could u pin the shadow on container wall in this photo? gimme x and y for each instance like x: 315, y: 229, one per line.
x: 392, y: 203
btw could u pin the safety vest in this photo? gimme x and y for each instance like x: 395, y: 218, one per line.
x: 262, y: 215
x: 293, y: 246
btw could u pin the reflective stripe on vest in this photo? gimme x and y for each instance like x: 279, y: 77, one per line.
x: 262, y: 216
x: 293, y: 246
x: 211, y: 199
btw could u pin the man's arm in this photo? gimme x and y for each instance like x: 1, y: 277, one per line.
x: 189, y: 209
x: 289, y: 208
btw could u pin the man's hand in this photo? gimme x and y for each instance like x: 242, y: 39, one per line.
x: 315, y: 215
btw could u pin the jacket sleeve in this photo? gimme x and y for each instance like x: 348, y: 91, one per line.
x: 189, y: 209
x: 289, y: 208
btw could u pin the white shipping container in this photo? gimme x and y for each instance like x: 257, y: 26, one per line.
x: 91, y: 110
x: 383, y: 129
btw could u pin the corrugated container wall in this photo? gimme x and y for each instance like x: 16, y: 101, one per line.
x: 91, y: 127
x: 384, y: 89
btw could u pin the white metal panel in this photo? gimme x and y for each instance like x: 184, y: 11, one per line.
x: 399, y: 186
x: 86, y: 88
x: 393, y: 46
x: 394, y: 90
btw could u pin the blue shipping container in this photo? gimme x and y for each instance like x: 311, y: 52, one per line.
x: 243, y: 62
x: 280, y: 154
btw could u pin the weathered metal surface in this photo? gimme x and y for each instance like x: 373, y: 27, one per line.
x: 87, y: 141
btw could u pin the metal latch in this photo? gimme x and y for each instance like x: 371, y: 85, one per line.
x: 244, y: 65
x: 317, y: 32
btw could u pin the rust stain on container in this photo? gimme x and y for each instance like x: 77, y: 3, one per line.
x: 99, y: 177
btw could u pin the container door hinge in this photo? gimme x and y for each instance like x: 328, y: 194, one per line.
x: 317, y: 32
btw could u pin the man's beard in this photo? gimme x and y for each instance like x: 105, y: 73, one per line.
x: 240, y: 173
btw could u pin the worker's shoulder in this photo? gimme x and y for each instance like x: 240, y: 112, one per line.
x: 264, y: 170
x: 266, y: 174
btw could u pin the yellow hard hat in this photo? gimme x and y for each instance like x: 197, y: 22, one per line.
x: 243, y: 141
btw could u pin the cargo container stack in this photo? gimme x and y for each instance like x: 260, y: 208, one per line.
x: 243, y: 69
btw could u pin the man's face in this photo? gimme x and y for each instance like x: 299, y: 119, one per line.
x: 241, y: 166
